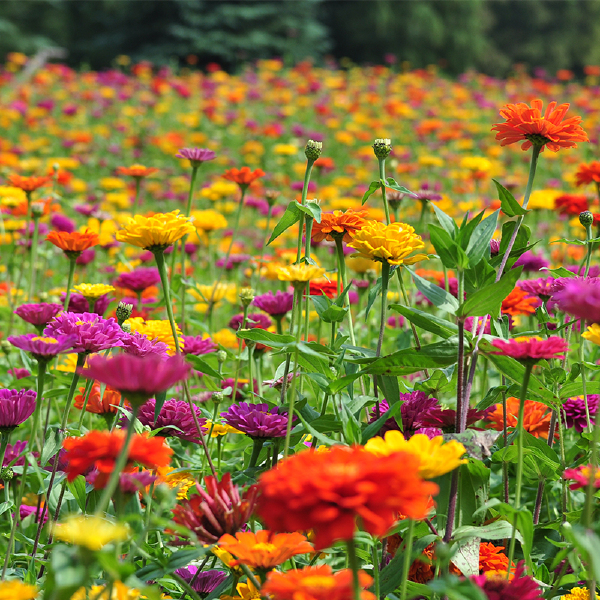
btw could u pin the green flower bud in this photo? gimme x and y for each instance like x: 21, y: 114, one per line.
x: 6, y: 474
x: 313, y: 150
x: 123, y: 312
x: 221, y: 356
x: 246, y: 296
x: 126, y: 327
x: 37, y: 210
x: 382, y: 148
x: 217, y: 397
x: 586, y: 218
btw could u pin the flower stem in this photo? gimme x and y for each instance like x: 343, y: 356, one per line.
x: 520, y: 455
x: 375, y: 558
x: 386, y: 207
x: 257, y: 444
x: 385, y: 280
x: 307, y: 172
x: 41, y: 374
x: 407, y: 556
x: 72, y: 260
x: 353, y: 563
x: 122, y: 458
x: 406, y: 303
x: 86, y: 397
x: 80, y: 362
x: 33, y: 258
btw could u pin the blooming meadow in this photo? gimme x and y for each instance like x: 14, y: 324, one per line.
x: 298, y: 334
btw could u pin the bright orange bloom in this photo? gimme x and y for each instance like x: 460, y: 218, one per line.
x: 331, y: 491
x: 338, y: 223
x: 519, y: 302
x: 589, y: 173
x: 100, y: 449
x: 491, y: 558
x: 529, y: 125
x: 323, y: 287
x: 73, y: 242
x: 315, y: 583
x: 136, y: 171
x: 536, y: 418
x: 99, y: 406
x: 264, y: 549
x: 244, y: 176
x: 27, y: 184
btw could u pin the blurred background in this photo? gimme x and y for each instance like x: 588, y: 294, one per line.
x: 488, y: 35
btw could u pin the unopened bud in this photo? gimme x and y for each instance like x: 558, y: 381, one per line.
x: 494, y: 247
x: 6, y: 346
x: 271, y: 197
x: 382, y: 148
x: 221, y: 356
x: 313, y: 150
x: 246, y: 296
x: 218, y: 397
x: 586, y: 218
x: 126, y: 327
x: 37, y: 210
x: 55, y: 167
x: 123, y: 312
x: 6, y: 474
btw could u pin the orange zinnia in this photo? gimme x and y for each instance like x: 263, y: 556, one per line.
x: 528, y: 124
x: 519, y: 302
x: 97, y: 405
x: 136, y: 171
x: 264, y: 549
x: 100, y: 449
x: 331, y: 491
x: 27, y: 184
x: 491, y: 558
x: 315, y: 583
x: 536, y: 418
x: 72, y: 242
x: 338, y: 223
x: 244, y: 176
x: 589, y: 173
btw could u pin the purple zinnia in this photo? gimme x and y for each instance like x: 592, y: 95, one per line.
x: 38, y: 315
x: 415, y: 407
x: 445, y: 418
x: 92, y: 332
x: 233, y: 261
x: 521, y: 586
x: 203, y: 583
x: 542, y: 288
x: 574, y: 411
x: 174, y: 420
x: 198, y: 344
x: 43, y: 348
x: 62, y: 223
x: 78, y: 304
x: 257, y: 420
x: 531, y: 262
x: 196, y: 156
x: 253, y: 321
x: 593, y: 271
x: 139, y: 279
x: 137, y: 344
x: 129, y: 483
x: 16, y: 406
x: 15, y: 452
x: 19, y: 373
x: 276, y: 305
x: 579, y: 297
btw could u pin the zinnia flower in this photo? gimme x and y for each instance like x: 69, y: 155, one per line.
x: 198, y: 345
x: 299, y: 274
x: 174, y: 420
x: 137, y: 378
x: 90, y: 531
x: 579, y: 297
x: 16, y: 406
x: 492, y: 559
x: 435, y: 457
x: 445, y: 418
x: 338, y: 224
x: 93, y: 291
x: 413, y: 412
x: 571, y: 204
x: 155, y: 232
x: 316, y: 583
x: 244, y: 176
x: 519, y: 302
x: 100, y: 449
x: 330, y: 491
x: 13, y: 589
x: 204, y: 582
x: 536, y: 417
x: 589, y: 173
x: 27, y: 184
x: 257, y: 420
x: 218, y: 510
x: 196, y: 156
x: 532, y: 349
x: 574, y: 411
x: 43, y: 349
x: 73, y: 244
x: 581, y: 476
x: 276, y: 305
x: 137, y: 171
x: 392, y: 243
x: 38, y: 314
x: 107, y: 404
x: 529, y: 125
x: 139, y: 345
x: 578, y: 593
x: 497, y: 587
x: 264, y: 549
x: 139, y: 279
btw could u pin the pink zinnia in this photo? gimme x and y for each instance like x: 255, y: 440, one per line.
x: 532, y: 349
x: 16, y: 406
x: 38, y: 314
x: 196, y: 156
x: 581, y: 476
x: 520, y: 587
x: 579, y: 297
x: 137, y: 378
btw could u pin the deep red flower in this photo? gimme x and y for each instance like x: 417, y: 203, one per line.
x: 520, y: 587
x: 571, y: 204
x: 589, y: 173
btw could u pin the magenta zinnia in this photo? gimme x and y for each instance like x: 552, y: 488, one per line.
x: 532, y: 349
x: 579, y: 297
x: 42, y: 348
x: 16, y: 406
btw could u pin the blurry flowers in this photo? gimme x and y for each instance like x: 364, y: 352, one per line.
x: 90, y: 531
x: 581, y: 476
x: 137, y: 171
x: 13, y: 589
x: 299, y: 274
x: 588, y: 173
x: 244, y: 177
x: 38, y: 315
x: 72, y: 244
x: 196, y: 156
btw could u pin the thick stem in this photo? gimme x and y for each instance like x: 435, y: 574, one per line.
x: 307, y: 172
x: 353, y: 563
x: 257, y: 444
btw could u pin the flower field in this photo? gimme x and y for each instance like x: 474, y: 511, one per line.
x: 298, y: 334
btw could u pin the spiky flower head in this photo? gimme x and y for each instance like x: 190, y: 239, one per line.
x: 313, y: 150
x: 586, y: 218
x: 382, y: 148
x: 123, y: 312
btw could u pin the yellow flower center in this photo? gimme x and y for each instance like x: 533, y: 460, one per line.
x: 265, y: 547
x: 317, y: 582
x: 47, y: 340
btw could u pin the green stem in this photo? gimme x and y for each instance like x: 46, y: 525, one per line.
x: 353, y: 564
x: 80, y: 362
x: 590, y: 247
x: 257, y: 444
x: 407, y: 556
x: 386, y: 207
x: 375, y: 559
x: 307, y: 172
x: 520, y: 455
x: 407, y: 304
x: 33, y: 258
x: 38, y: 404
x: 86, y: 397
x: 385, y: 280
x: 251, y: 577
x: 72, y: 260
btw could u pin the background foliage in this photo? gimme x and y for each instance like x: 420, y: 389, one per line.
x: 489, y: 35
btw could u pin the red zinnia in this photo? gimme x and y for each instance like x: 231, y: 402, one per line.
x: 532, y: 348
x: 531, y: 126
x: 581, y: 476
x: 100, y: 449
x: 589, y: 173
x: 27, y: 184
x: 244, y: 176
x: 330, y: 491
x: 571, y: 204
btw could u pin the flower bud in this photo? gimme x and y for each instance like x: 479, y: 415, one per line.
x: 246, y: 296
x: 271, y: 197
x: 586, y: 218
x: 55, y: 167
x: 221, y: 356
x: 123, y: 312
x: 37, y: 210
x: 313, y: 150
x: 494, y: 247
x: 217, y: 397
x: 126, y: 327
x: 382, y: 148
x: 6, y: 346
x: 6, y: 474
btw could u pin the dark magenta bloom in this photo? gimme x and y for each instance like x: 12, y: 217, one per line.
x: 137, y: 344
x: 62, y: 223
x: 78, y: 304
x: 196, y: 156
x: 415, y: 407
x: 19, y: 373
x: 253, y: 321
x: 43, y: 348
x: 205, y: 582
x: 175, y: 419
x: 15, y: 454
x: 579, y: 297
x: 542, y: 288
x: 574, y: 411
x: 233, y: 261
x: 92, y: 332
x: 257, y: 420
x: 531, y: 262
x: 445, y: 418
x: 276, y: 305
x: 520, y: 587
x: 139, y: 279
x: 532, y: 349
x: 38, y: 314
x: 16, y: 406
x: 197, y: 345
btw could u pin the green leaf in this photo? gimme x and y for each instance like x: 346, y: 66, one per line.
x: 261, y: 336
x: 510, y: 207
x: 479, y: 243
x: 161, y: 398
x: 373, y: 187
x: 560, y: 272
x: 427, y: 321
x: 394, y: 185
x: 77, y: 488
x: 450, y: 253
x: 521, y: 240
x: 576, y: 389
x: 372, y: 428
x: 497, y: 530
x: 447, y: 222
x: 291, y: 215
x: 437, y: 295
x: 491, y: 397
x: 540, y: 462
x: 178, y: 559
x: 323, y: 438
x: 202, y: 365
x: 312, y: 210
x: 488, y: 300
x: 373, y: 294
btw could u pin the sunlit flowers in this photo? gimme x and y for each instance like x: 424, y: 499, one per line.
x: 528, y: 124
x: 300, y: 273
x: 90, y: 531
x: 43, y: 348
x: 353, y: 487
x: 532, y: 349
x: 93, y: 291
x: 588, y: 173
x: 536, y: 417
x: 137, y: 171
x: 435, y: 457
x: 392, y: 243
x: 338, y: 224
x: 264, y: 549
x: 155, y: 232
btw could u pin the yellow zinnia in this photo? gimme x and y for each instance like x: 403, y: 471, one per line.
x: 300, y: 273
x: 93, y: 291
x: 17, y: 590
x: 435, y: 457
x: 578, y: 593
x: 208, y: 220
x: 592, y: 334
x: 90, y: 531
x: 388, y: 243
x: 157, y: 330
x: 159, y: 230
